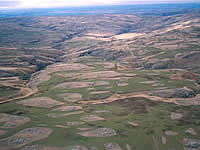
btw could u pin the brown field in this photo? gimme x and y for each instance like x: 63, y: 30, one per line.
x: 44, y: 102
x: 12, y: 121
x: 71, y: 97
x: 26, y: 136
x: 91, y: 118
x: 68, y: 108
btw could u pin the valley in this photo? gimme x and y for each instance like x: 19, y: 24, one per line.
x: 112, y: 81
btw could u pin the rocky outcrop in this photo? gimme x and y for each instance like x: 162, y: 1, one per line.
x: 191, y: 143
x: 175, y: 93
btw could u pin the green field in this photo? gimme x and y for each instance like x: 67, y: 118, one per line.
x: 153, y: 118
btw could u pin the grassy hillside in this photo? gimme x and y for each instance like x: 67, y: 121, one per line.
x: 112, y: 80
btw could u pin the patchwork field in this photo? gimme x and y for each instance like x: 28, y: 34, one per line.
x: 88, y: 107
x: 116, y: 81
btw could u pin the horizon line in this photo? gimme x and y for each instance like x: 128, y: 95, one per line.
x: 107, y: 5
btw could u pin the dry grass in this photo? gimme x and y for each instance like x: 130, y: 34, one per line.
x: 128, y: 36
x: 44, y: 102
x: 71, y: 97
x: 12, y: 121
x: 68, y: 108
x: 91, y: 118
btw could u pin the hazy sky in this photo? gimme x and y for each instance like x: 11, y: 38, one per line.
x: 60, y: 3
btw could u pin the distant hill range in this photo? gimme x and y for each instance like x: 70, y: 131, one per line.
x: 143, y: 9
x: 142, y: 36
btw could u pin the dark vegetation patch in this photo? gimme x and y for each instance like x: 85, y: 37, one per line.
x: 99, y: 96
x: 6, y: 91
x: 108, y: 54
x: 17, y: 112
x: 137, y: 105
x: 191, y: 116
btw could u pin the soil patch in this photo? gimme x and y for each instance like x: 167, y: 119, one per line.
x: 116, y: 78
x: 100, y: 132
x: 44, y: 102
x: 100, y: 83
x: 133, y: 124
x: 102, y: 111
x: 109, y: 87
x: 171, y: 133
x: 90, y: 89
x: 128, y: 147
x: 61, y: 126
x: 12, y: 121
x: 68, y: 108
x: 176, y: 116
x: 25, y: 137
x: 122, y: 84
x: 74, y: 123
x: 99, y: 92
x: 164, y: 140
x: 126, y: 36
x: 148, y: 82
x: 72, y: 97
x: 90, y: 118
x: 109, y: 65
